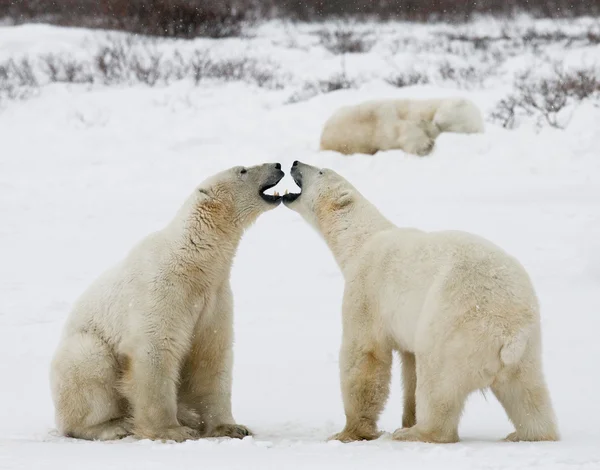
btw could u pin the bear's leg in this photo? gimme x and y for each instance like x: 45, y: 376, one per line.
x: 440, y: 396
x: 207, y: 374
x: 365, y: 370
x: 106, y: 431
x: 150, y: 381
x: 525, y: 397
x: 412, y: 138
x: 189, y: 417
x: 84, y: 388
x: 409, y: 383
x: 150, y: 377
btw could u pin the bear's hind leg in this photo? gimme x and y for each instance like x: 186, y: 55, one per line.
x: 440, y: 398
x: 524, y: 395
x: 84, y: 388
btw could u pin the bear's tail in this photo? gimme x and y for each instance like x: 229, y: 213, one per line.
x: 514, y: 347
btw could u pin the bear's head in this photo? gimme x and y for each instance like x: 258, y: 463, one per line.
x: 324, y: 194
x: 238, y: 194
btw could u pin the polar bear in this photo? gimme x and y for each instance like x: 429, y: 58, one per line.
x: 409, y: 125
x: 147, y: 349
x: 462, y: 314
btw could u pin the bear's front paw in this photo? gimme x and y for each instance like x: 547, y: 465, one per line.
x: 235, y: 431
x: 405, y: 434
x: 515, y: 437
x: 414, y: 434
x: 351, y: 436
x: 177, y: 434
x: 425, y: 148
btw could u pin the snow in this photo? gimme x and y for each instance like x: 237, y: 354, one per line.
x: 85, y: 172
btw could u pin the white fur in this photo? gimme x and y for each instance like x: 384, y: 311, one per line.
x: 409, y: 125
x: 461, y: 312
x: 147, y: 349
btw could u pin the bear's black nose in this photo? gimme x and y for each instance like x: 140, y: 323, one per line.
x: 278, y: 166
x: 295, y: 163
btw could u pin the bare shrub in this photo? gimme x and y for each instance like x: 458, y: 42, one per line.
x: 530, y: 38
x: 505, y: 112
x: 410, y: 78
x: 228, y: 70
x: 19, y: 73
x: 337, y: 81
x: 244, y: 69
x: 261, y: 73
x: 148, y: 70
x: 343, y: 40
x: 17, y: 80
x: 465, y: 76
x: 479, y: 42
x: 66, y: 70
x: 75, y: 72
x: 177, y: 67
x: 544, y: 98
x: 579, y: 84
x: 593, y: 36
x: 198, y: 66
x: 111, y: 62
x: 124, y: 61
x: 9, y: 92
x: 52, y: 67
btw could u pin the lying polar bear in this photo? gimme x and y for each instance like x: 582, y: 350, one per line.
x: 409, y: 125
x: 147, y: 349
x: 462, y: 313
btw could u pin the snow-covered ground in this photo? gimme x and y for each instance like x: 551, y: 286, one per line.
x: 86, y: 171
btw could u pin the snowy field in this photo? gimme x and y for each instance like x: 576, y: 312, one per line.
x: 86, y: 170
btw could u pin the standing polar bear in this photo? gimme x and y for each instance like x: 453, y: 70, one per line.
x: 460, y: 311
x: 409, y: 125
x: 147, y: 349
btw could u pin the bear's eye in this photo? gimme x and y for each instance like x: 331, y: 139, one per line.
x: 320, y: 172
x: 243, y: 171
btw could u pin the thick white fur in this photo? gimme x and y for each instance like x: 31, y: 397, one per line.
x: 147, y: 349
x: 409, y: 125
x: 461, y: 312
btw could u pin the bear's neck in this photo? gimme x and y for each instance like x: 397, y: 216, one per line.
x: 205, y: 240
x: 346, y: 230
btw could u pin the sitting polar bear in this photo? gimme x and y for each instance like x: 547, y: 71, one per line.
x: 460, y: 311
x: 409, y: 125
x: 147, y: 349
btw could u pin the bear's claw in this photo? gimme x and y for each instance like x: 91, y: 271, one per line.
x: 235, y: 431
